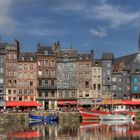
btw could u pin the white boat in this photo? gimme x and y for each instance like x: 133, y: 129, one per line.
x: 117, y: 117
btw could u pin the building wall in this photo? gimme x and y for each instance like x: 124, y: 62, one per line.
x: 47, y: 86
x: 66, y: 80
x: 97, y: 81
x: 84, y: 79
x: 106, y: 75
x: 2, y: 73
x: 26, y: 81
x: 11, y: 72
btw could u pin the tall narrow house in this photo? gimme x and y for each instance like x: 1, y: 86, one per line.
x: 46, y: 75
x: 12, y: 54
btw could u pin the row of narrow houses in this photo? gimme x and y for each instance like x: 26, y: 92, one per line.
x: 56, y: 77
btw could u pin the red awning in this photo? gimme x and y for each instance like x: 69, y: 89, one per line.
x: 64, y: 102
x: 130, y: 102
x: 16, y: 103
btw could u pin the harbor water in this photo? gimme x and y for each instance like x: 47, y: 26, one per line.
x: 69, y: 130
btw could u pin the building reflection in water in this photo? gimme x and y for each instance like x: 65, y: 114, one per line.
x: 71, y: 130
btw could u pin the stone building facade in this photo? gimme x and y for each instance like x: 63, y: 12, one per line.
x: 27, y: 77
x: 2, y: 73
x: 46, y: 75
x: 84, y: 78
x: 12, y: 54
x: 107, y: 61
x: 66, y: 77
x: 97, y: 79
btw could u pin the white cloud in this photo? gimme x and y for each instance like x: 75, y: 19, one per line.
x: 100, y: 32
x: 114, y: 15
x: 7, y: 23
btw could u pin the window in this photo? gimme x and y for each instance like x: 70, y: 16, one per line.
x: 108, y: 72
x: 9, y: 91
x: 31, y: 83
x: 46, y: 93
x: 60, y: 93
x: 52, y: 73
x: 31, y: 58
x: 99, y: 86
x: 73, y: 94
x: 114, y: 87
x: 52, y: 63
x: 1, y: 81
x: 46, y: 83
x: 25, y: 91
x: 87, y: 84
x: 40, y: 72
x: 9, y: 73
x: 20, y: 91
x: 40, y: 82
x: 39, y: 62
x: 15, y: 73
x: 114, y: 79
x: 25, y: 66
x: 94, y: 86
x: 31, y: 67
x: 80, y: 66
x: 14, y: 91
x: 135, y: 80
x: 46, y: 63
x: 108, y: 65
x: 66, y: 76
x: 31, y: 91
x: 66, y: 94
x: 47, y: 73
x: 25, y: 75
x: 31, y: 75
x: 52, y: 82
x: 52, y: 93
x: 80, y: 93
x: 135, y: 88
x: 1, y: 70
x: 46, y: 52
x: 87, y: 67
x: 40, y: 94
x: 20, y: 67
x: 22, y: 58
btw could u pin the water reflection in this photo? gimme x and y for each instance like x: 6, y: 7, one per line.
x: 70, y: 129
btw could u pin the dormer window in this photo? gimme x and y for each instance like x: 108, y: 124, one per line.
x: 22, y: 58
x: 31, y: 58
x: 46, y: 52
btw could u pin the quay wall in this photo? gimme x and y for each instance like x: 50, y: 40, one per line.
x: 24, y: 116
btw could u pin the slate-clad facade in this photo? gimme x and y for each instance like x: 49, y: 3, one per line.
x: 2, y: 73
x: 66, y: 75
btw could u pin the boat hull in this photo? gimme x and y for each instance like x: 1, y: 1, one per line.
x: 95, y: 115
x: 115, y: 117
x: 42, y: 118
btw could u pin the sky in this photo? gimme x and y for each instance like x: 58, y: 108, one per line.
x: 101, y: 25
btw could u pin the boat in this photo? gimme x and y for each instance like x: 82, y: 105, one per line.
x: 42, y: 118
x: 96, y: 114
x: 39, y: 122
x: 116, y: 117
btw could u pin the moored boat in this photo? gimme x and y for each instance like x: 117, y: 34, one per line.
x: 96, y: 114
x: 42, y: 118
x: 116, y: 117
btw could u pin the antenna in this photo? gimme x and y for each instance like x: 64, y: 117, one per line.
x: 71, y: 43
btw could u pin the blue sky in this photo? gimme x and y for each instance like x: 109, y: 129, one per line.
x: 101, y: 25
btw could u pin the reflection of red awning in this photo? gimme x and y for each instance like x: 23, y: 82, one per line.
x: 26, y: 134
x: 16, y: 103
x: 64, y: 102
x: 130, y: 102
